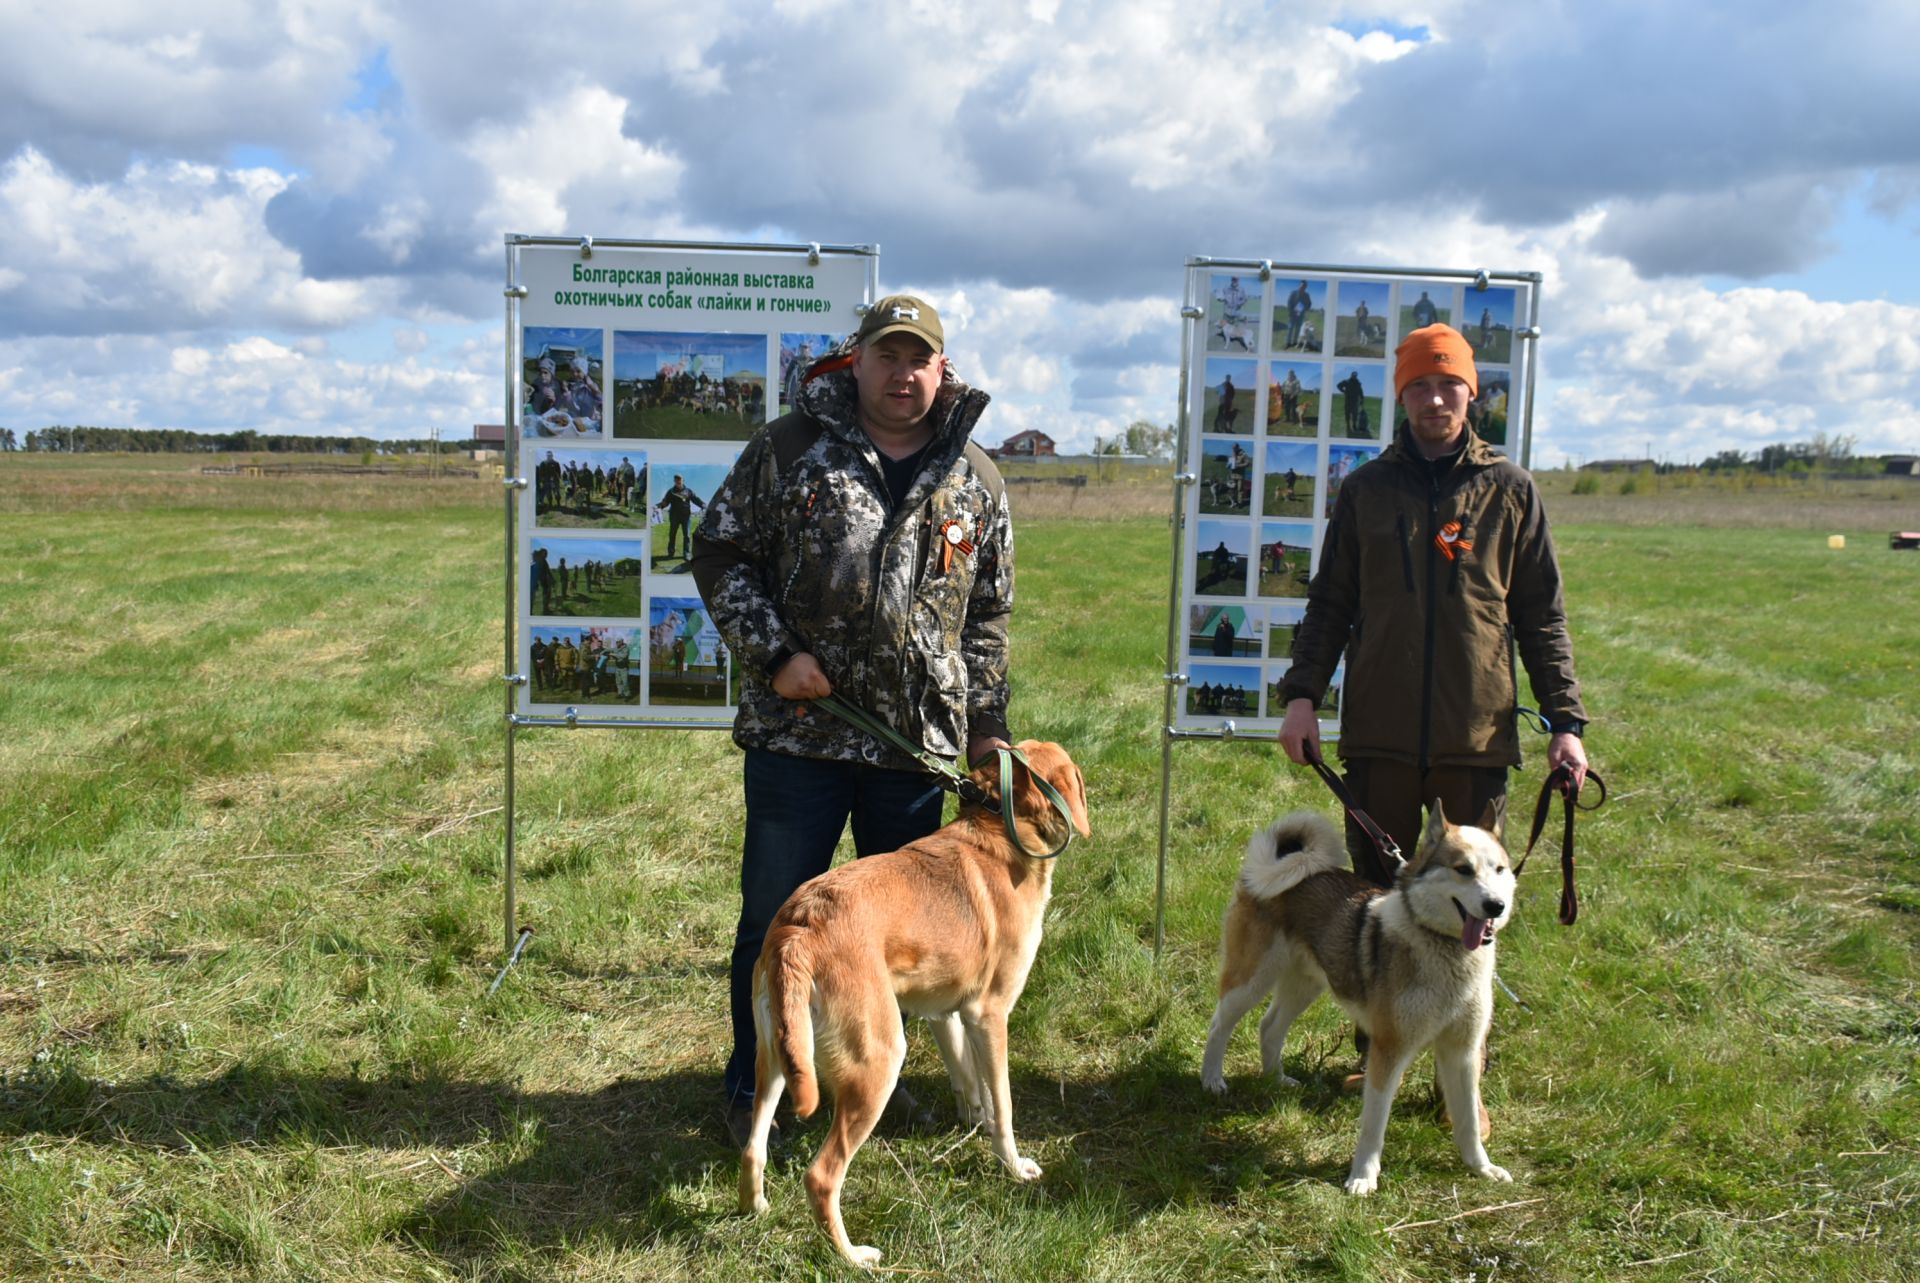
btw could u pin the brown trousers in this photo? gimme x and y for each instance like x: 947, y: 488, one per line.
x: 1396, y: 795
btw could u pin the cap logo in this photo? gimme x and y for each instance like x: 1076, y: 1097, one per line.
x: 906, y: 313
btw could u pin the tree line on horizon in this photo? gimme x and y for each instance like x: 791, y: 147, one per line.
x: 92, y: 440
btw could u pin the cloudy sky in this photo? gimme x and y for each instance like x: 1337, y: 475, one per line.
x: 290, y: 216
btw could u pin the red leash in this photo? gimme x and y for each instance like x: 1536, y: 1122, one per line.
x: 1382, y: 840
x: 1561, y: 779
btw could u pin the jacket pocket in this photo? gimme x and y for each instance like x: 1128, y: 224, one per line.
x: 1405, y: 541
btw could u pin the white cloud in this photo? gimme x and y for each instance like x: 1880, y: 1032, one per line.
x: 569, y: 146
x: 1044, y: 167
x: 165, y: 246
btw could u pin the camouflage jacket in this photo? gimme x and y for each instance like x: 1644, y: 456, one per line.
x: 801, y: 550
x: 1429, y: 637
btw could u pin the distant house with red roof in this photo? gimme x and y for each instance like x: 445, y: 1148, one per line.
x: 1030, y: 444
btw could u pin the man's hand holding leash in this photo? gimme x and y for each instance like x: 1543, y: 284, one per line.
x: 1301, y: 727
x: 801, y: 678
x: 1565, y: 749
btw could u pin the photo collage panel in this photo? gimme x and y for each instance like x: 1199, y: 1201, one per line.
x: 625, y: 437
x: 1290, y: 391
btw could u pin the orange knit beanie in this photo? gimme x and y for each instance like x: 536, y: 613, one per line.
x: 1434, y: 349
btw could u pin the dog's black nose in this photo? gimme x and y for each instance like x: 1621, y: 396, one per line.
x: 1491, y: 908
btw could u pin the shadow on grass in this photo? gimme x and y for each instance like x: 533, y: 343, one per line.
x: 645, y: 1160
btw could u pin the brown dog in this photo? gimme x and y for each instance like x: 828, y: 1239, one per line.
x: 944, y: 928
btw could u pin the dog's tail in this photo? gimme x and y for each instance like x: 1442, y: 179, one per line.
x: 1288, y: 852
x: 789, y: 995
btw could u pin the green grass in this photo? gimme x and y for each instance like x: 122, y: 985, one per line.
x: 250, y: 910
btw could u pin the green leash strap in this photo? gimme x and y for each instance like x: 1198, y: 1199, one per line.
x: 953, y: 778
x: 1008, y: 756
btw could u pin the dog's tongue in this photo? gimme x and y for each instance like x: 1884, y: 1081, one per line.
x: 1474, y: 932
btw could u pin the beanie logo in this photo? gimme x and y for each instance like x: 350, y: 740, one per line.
x: 1443, y: 358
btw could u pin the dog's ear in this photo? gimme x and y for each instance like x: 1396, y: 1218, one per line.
x: 1050, y: 762
x: 1073, y: 787
x: 1494, y: 818
x: 1435, y: 831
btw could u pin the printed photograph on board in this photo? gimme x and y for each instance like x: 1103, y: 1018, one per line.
x: 1282, y: 619
x: 588, y: 664
x: 1224, y: 632
x: 1488, y: 318
x: 1220, y: 557
x: 1233, y: 313
x: 1286, y: 558
x: 1223, y: 690
x: 1226, y: 400
x: 1488, y: 410
x: 1329, y: 706
x: 680, y: 494
x: 589, y: 489
x: 1430, y: 305
x: 1300, y: 321
x: 1361, y: 408
x: 1226, y: 477
x: 689, y: 387
x: 1360, y: 328
x: 1341, y: 461
x: 797, y: 352
x: 1288, y: 483
x: 561, y: 381
x: 1293, y: 399
x: 686, y: 662
x: 582, y: 577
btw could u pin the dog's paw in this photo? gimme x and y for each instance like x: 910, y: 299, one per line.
x: 1285, y: 1079
x: 1024, y: 1168
x: 1361, y: 1186
x: 863, y: 1256
x: 1493, y: 1172
x: 761, y: 1206
x: 1215, y: 1082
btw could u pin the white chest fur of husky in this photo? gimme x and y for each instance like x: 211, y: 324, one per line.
x: 1413, y: 965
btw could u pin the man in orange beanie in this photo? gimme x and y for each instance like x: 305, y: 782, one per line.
x: 1441, y: 545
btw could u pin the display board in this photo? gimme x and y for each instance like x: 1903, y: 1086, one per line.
x: 1289, y: 385
x: 636, y: 372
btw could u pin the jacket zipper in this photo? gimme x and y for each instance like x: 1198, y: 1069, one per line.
x: 1426, y: 670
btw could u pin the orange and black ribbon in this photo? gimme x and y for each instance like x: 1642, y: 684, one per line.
x: 1449, y: 541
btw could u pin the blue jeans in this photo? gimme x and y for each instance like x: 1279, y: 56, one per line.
x: 797, y: 808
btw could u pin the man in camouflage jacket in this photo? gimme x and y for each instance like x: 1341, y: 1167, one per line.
x: 1438, y: 564
x: 861, y: 546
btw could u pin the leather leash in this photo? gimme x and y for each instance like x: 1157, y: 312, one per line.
x: 1561, y: 779
x: 1381, y: 839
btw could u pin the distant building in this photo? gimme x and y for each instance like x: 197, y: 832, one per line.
x: 1902, y: 465
x: 1030, y: 444
x: 489, y: 441
x: 1616, y: 465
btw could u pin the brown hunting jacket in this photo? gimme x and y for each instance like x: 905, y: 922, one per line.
x: 801, y: 549
x: 1429, y: 639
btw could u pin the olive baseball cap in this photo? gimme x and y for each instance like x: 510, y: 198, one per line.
x: 902, y: 313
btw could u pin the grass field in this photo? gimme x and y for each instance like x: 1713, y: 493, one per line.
x: 250, y: 852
